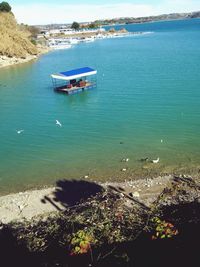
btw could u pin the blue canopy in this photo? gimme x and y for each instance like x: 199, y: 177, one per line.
x: 84, y: 70
x: 73, y: 74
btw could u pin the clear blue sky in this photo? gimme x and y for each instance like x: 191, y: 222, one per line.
x: 86, y: 1
x: 62, y: 11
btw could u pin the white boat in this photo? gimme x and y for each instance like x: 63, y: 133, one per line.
x: 59, y: 44
x: 73, y: 41
x: 87, y: 39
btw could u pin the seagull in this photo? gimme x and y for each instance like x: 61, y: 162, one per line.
x: 156, y: 160
x: 58, y: 123
x: 125, y: 160
x: 19, y: 131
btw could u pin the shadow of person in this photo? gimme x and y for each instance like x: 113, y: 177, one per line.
x: 71, y: 192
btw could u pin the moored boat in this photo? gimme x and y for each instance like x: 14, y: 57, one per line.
x: 74, y: 81
x: 59, y: 44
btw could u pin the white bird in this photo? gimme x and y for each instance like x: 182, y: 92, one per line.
x: 156, y: 160
x: 123, y: 170
x: 125, y: 160
x: 58, y: 123
x: 161, y: 140
x: 19, y: 131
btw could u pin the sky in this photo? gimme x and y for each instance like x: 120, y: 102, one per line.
x: 35, y: 12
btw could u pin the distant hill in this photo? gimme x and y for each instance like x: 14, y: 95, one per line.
x: 129, y: 20
x: 14, y: 39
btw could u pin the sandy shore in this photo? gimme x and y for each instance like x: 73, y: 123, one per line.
x: 26, y: 205
x: 9, y: 61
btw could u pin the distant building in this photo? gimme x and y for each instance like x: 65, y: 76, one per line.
x: 66, y: 31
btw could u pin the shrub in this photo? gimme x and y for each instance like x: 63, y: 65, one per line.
x: 75, y: 25
x: 163, y: 229
x: 81, y: 243
x: 5, y: 7
x: 33, y: 41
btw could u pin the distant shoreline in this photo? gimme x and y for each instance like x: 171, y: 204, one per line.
x: 148, y: 22
x: 147, y: 19
x: 6, y: 61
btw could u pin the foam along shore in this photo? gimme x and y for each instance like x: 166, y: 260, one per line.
x: 29, y: 204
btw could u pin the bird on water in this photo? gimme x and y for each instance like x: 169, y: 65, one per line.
x: 19, y: 131
x: 156, y: 160
x: 58, y: 123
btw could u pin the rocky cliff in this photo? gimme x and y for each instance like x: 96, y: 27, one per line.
x: 14, y: 39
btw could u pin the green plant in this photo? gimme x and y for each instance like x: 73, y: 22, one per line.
x: 93, y: 26
x: 81, y: 243
x: 33, y: 41
x: 163, y: 229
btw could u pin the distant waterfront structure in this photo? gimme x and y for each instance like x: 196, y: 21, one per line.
x: 67, y: 31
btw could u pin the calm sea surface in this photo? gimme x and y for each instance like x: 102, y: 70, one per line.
x: 148, y: 91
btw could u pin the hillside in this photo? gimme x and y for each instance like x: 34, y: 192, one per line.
x: 172, y: 16
x: 14, y: 40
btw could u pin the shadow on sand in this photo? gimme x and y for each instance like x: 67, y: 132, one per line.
x: 69, y: 193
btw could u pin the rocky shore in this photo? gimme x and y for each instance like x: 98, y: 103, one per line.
x: 82, y: 223
x: 29, y: 204
x: 6, y: 61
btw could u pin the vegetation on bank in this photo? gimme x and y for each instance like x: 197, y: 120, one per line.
x: 76, y: 26
x: 104, y: 231
x: 5, y: 7
x: 15, y: 40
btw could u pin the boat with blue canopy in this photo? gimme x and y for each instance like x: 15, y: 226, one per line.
x: 74, y: 81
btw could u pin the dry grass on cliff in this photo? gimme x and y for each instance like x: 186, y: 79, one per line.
x: 14, y: 42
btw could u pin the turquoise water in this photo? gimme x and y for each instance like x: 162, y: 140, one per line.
x: 148, y: 90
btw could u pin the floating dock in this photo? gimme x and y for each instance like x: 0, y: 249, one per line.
x: 74, y: 81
